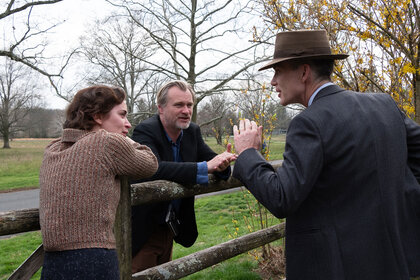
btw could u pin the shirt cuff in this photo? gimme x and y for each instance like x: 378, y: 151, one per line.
x: 202, y: 173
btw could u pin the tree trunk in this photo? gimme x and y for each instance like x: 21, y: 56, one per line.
x: 6, y: 144
x: 219, y: 138
x: 417, y: 99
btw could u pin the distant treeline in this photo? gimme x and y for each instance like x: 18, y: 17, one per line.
x: 40, y: 123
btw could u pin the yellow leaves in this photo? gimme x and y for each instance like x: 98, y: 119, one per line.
x: 405, y: 101
x: 351, y: 29
x: 264, y: 87
x: 375, y: 36
x: 397, y: 60
x: 410, y: 94
x: 365, y: 35
x: 408, y: 68
x: 409, y: 109
x: 386, y: 43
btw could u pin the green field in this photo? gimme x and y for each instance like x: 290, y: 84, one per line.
x: 217, y: 218
x: 19, y: 166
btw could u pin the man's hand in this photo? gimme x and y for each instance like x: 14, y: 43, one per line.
x: 248, y: 136
x: 222, y: 161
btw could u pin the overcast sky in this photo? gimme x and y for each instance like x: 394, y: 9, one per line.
x: 78, y: 16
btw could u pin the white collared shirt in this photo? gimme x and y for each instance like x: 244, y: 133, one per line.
x: 316, y: 92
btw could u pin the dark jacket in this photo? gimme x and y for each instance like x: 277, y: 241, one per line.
x: 347, y: 186
x: 145, y: 218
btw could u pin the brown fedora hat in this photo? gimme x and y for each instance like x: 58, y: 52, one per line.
x: 292, y: 45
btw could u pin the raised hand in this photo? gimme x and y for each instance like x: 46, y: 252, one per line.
x: 247, y: 136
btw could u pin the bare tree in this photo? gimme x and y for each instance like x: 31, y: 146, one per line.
x: 204, y: 42
x: 258, y: 102
x: 24, y: 39
x: 115, y: 50
x: 17, y: 96
x: 42, y: 123
x: 217, y: 118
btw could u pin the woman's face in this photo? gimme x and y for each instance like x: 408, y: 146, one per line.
x: 116, y: 120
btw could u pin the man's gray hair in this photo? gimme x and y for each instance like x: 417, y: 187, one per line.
x: 162, y: 95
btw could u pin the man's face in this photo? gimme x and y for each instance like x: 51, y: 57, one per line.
x: 288, y: 83
x: 176, y: 113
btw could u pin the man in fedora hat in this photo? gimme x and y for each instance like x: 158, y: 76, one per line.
x: 349, y: 182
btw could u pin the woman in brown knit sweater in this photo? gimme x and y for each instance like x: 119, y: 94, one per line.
x: 80, y: 187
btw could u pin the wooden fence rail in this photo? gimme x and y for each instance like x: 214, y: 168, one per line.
x: 25, y: 220
x: 205, y: 258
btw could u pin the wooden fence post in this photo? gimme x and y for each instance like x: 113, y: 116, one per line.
x: 122, y: 230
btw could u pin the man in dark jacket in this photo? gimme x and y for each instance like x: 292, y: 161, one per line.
x: 349, y: 183
x: 183, y: 158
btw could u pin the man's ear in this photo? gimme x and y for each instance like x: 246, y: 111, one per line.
x: 98, y: 118
x: 306, y: 72
x: 160, y: 109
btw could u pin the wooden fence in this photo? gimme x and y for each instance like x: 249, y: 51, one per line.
x: 28, y: 220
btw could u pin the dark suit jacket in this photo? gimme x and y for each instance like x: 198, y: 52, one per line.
x: 145, y: 218
x: 348, y: 187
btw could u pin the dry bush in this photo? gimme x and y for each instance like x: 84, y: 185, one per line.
x: 273, y: 267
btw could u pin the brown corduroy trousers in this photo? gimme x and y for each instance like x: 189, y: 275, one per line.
x: 157, y: 250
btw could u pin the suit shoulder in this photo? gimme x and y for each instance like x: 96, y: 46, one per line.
x: 149, y: 123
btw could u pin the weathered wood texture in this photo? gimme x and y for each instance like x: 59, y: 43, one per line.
x: 12, y: 222
x: 187, y: 265
x: 122, y: 230
x: 161, y: 190
x: 30, y: 266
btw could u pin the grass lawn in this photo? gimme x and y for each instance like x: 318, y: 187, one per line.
x: 14, y: 250
x: 19, y: 166
x: 217, y: 218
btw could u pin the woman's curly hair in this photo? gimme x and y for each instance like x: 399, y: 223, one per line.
x: 90, y: 102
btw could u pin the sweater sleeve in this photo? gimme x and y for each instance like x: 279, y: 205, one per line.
x: 125, y: 158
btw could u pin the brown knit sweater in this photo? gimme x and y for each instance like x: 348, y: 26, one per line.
x: 80, y: 187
